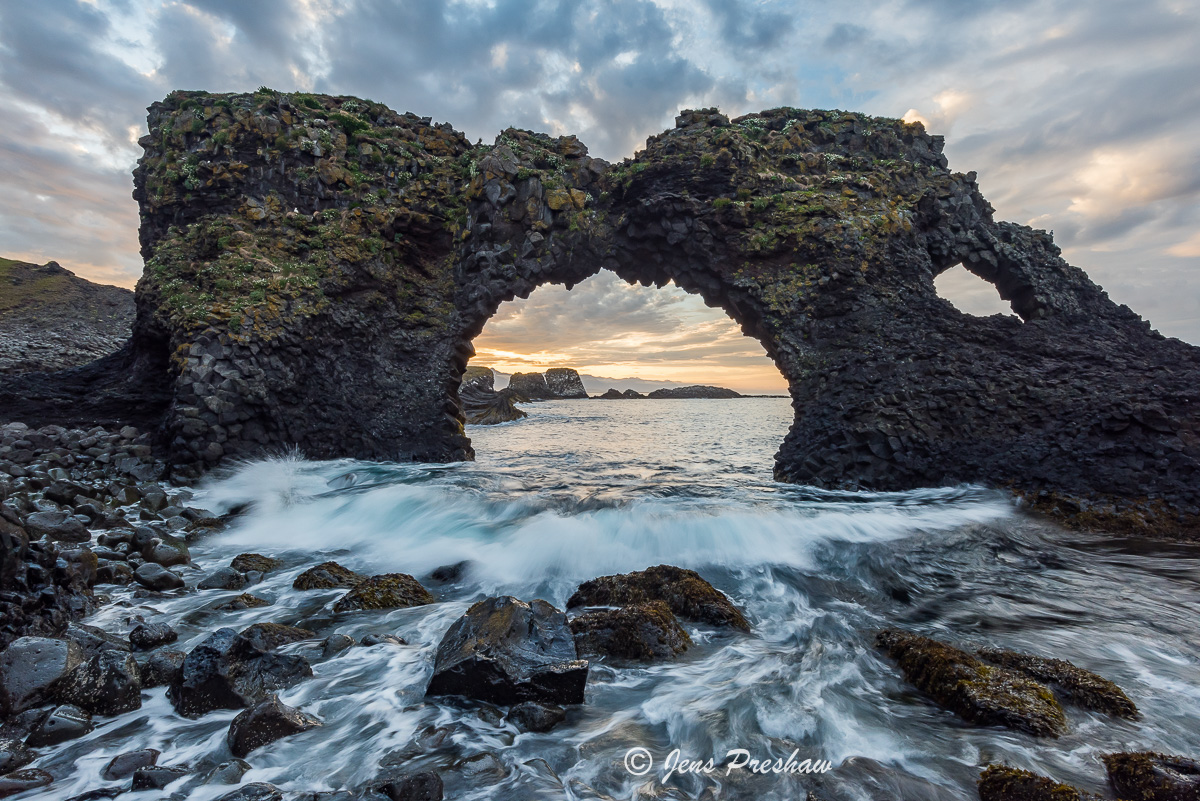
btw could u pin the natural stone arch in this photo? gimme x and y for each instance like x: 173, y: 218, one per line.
x: 318, y: 266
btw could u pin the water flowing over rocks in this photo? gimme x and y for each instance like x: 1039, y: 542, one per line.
x: 819, y: 232
x: 388, y: 591
x: 1002, y: 783
x: 506, y: 651
x: 685, y: 593
x: 644, y: 632
x: 266, y: 723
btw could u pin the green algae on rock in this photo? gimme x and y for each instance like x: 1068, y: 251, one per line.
x: 325, y: 576
x: 246, y: 562
x: 1002, y: 783
x: 644, y: 632
x: 1150, y: 776
x: 975, y: 691
x: 1072, y: 684
x: 387, y: 591
x: 685, y: 593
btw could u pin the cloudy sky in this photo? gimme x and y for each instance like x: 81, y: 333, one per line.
x: 1080, y: 117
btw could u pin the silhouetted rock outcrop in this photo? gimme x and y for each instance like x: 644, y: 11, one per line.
x: 350, y: 254
x: 564, y: 382
x: 613, y: 394
x: 481, y: 403
x: 694, y: 392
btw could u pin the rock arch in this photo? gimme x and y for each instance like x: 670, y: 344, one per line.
x: 316, y: 268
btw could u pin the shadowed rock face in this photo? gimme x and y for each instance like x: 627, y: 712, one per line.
x: 318, y: 266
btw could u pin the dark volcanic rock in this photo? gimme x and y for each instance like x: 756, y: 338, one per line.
x: 388, y: 591
x: 420, y: 786
x: 1002, y: 783
x: 123, y: 766
x: 58, y: 526
x: 254, y: 791
x: 564, y: 382
x: 975, y: 691
x: 265, y: 723
x: 684, y: 591
x: 64, y: 723
x: 243, y: 601
x: 158, y: 578
x: 22, y: 780
x: 532, y: 716
x: 156, y: 777
x: 629, y: 394
x: 694, y: 392
x: 1072, y: 684
x: 530, y: 386
x: 247, y: 562
x: 146, y: 636
x: 269, y: 636
x: 227, y: 671
x: 223, y: 578
x: 30, y: 668
x: 646, y: 632
x: 14, y: 754
x: 1149, y: 776
x: 107, y: 684
x: 1074, y: 402
x: 325, y: 576
x: 506, y: 651
x: 95, y: 640
x: 482, y: 404
x: 162, y: 667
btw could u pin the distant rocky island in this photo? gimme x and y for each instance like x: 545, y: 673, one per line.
x: 557, y: 383
x: 674, y: 393
x: 50, y: 319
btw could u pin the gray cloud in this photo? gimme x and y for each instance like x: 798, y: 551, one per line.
x: 1078, y: 118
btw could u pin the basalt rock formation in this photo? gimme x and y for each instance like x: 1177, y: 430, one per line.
x: 693, y: 392
x: 316, y: 268
x: 482, y: 404
x: 564, y: 382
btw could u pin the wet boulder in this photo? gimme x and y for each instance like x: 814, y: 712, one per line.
x: 419, y: 786
x: 230, y: 772
x: 157, y: 578
x: 161, y: 667
x: 326, y: 576
x: 228, y: 671
x: 107, y: 684
x: 269, y: 636
x: 147, y: 636
x: 335, y: 644
x: 535, y: 717
x: 122, y: 766
x: 254, y: 562
x: 647, y: 632
x: 975, y: 691
x: 95, y: 640
x: 265, y: 723
x: 1150, y: 776
x: 1002, y: 783
x: 243, y: 601
x: 254, y: 791
x: 57, y: 526
x: 388, y: 591
x: 14, y: 754
x: 156, y: 777
x: 63, y: 723
x: 22, y: 780
x: 687, y: 594
x: 1070, y: 683
x: 223, y: 578
x: 506, y: 651
x: 369, y: 640
x: 29, y: 669
x: 166, y: 550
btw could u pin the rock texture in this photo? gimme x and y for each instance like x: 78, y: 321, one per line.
x: 694, y: 392
x: 646, y: 632
x: 1073, y: 684
x: 506, y: 651
x: 1002, y: 783
x: 50, y: 319
x: 482, y: 404
x: 564, y: 382
x: 316, y: 268
x: 530, y: 386
x: 683, y: 591
x: 1150, y: 776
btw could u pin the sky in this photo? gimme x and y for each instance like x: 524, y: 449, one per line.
x: 1079, y: 117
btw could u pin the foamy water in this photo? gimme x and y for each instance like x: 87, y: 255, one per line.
x: 588, y: 488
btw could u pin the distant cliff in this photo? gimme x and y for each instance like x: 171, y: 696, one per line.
x: 694, y: 392
x: 50, y: 319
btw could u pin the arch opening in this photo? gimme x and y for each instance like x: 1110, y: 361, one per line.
x: 970, y: 293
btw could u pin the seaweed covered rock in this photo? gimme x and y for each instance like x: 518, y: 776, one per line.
x: 254, y: 562
x: 1070, y: 683
x: 646, y: 632
x: 975, y: 691
x: 506, y: 651
x: 387, y: 591
x: 686, y: 594
x: 326, y: 576
x: 1002, y: 783
x: 1150, y: 776
x: 228, y: 671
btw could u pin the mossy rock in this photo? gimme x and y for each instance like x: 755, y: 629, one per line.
x: 975, y: 691
x: 269, y: 636
x: 684, y: 592
x: 326, y: 576
x: 246, y: 562
x: 1070, y: 683
x: 1002, y: 783
x: 1151, y: 776
x: 243, y: 601
x: 388, y: 591
x: 647, y: 632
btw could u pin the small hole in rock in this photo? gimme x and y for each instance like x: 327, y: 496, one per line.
x: 969, y: 293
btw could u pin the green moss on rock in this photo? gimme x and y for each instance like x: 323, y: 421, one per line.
x: 325, y: 576
x: 1002, y: 783
x: 388, y: 591
x: 1071, y: 683
x: 246, y: 562
x: 1151, y: 776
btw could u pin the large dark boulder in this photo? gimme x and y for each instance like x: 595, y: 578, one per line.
x: 227, y: 671
x: 30, y: 668
x: 22, y: 780
x: 58, y: 526
x: 506, y: 651
x: 1150, y: 776
x: 975, y: 691
x: 686, y: 594
x: 147, y: 636
x: 63, y: 723
x: 647, y: 632
x: 269, y: 636
x: 265, y: 723
x: 122, y: 766
x: 326, y: 576
x: 423, y: 785
x: 158, y: 578
x: 161, y: 667
x: 107, y: 684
